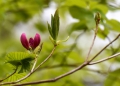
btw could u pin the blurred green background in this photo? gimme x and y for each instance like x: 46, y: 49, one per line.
x: 76, y: 21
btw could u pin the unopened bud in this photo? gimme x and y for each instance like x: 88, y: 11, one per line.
x: 97, y: 18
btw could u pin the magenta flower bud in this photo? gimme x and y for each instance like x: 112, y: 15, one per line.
x: 24, y: 41
x: 36, y: 40
x: 32, y: 43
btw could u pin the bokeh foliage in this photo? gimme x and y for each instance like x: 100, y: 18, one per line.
x: 12, y: 12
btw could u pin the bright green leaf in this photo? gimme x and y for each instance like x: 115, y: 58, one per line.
x: 83, y: 15
x: 113, y: 79
x: 80, y: 13
x: 17, y: 58
x: 103, y: 33
x: 80, y: 3
x: 55, y: 25
x: 114, y: 25
x: 50, y: 30
x: 40, y: 26
x: 16, y: 77
x: 78, y: 26
x: 100, y: 7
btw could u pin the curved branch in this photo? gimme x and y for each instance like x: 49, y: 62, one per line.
x: 54, y: 79
x: 102, y: 60
x: 68, y: 73
x: 96, y: 30
x: 105, y: 47
x: 9, y: 75
x: 29, y: 74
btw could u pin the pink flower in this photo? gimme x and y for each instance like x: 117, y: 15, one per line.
x: 32, y: 43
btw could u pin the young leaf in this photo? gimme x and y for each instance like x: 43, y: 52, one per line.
x: 16, y: 77
x: 113, y: 79
x: 17, y: 58
x: 55, y: 25
x: 50, y: 29
x: 56, y: 22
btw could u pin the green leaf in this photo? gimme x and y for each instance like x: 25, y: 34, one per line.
x: 16, y: 77
x: 50, y: 30
x: 83, y: 15
x: 75, y: 57
x: 78, y: 26
x: 54, y: 29
x: 114, y: 25
x: 55, y: 25
x: 103, y: 33
x: 113, y: 79
x: 101, y: 7
x: 18, y: 58
x: 40, y: 26
x: 80, y: 13
x: 80, y: 3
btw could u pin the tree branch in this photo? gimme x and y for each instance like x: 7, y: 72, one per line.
x: 97, y: 20
x: 54, y: 79
x: 102, y: 60
x: 92, y: 43
x: 9, y: 75
x: 29, y: 74
x: 72, y: 66
x: 68, y: 73
x: 72, y: 71
x: 105, y: 47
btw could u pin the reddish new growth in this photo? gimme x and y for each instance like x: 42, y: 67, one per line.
x: 32, y: 43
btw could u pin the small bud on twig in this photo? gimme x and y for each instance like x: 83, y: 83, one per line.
x: 97, y: 18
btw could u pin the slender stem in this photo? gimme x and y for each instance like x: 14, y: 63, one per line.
x: 68, y: 73
x: 105, y: 47
x: 54, y: 79
x: 76, y: 69
x: 29, y: 74
x: 34, y: 64
x: 45, y: 59
x: 9, y: 75
x: 72, y: 66
x: 102, y: 60
x: 112, y: 49
x: 92, y: 43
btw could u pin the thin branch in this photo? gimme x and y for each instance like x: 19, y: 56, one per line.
x: 102, y: 60
x: 74, y: 70
x: 112, y: 49
x: 72, y: 66
x: 91, y: 47
x: 45, y: 59
x: 34, y: 64
x: 9, y: 75
x: 96, y: 30
x: 29, y: 74
x: 32, y: 67
x: 105, y: 47
x: 54, y: 79
x: 68, y: 73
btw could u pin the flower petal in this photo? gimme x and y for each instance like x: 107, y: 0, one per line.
x: 24, y: 41
x: 37, y: 40
x: 31, y: 43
